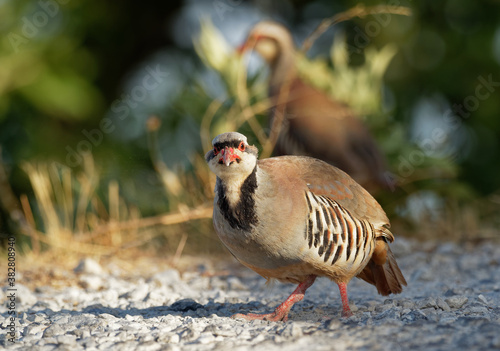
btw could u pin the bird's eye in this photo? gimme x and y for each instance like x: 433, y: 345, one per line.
x: 216, y: 150
x: 241, y: 147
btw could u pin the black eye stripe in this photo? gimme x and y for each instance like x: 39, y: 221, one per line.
x: 233, y: 143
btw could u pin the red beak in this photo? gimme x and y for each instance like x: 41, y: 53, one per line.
x: 242, y: 48
x: 228, y: 156
x: 249, y: 43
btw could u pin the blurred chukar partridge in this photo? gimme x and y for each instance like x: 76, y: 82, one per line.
x: 313, y: 124
x: 294, y: 218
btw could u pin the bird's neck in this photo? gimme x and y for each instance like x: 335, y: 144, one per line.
x: 236, y: 200
x: 283, y: 71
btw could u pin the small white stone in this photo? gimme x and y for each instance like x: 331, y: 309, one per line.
x: 168, y: 277
x: 259, y: 338
x: 482, y: 299
x: 66, y: 339
x: 456, y: 301
x: 292, y: 330
x: 88, y: 266
x: 429, y: 302
x: 24, y: 295
x: 174, y: 339
x: 39, y: 318
x: 52, y: 331
x: 92, y: 282
x: 137, y: 294
x: 206, y: 338
x: 235, y: 284
x: 442, y: 304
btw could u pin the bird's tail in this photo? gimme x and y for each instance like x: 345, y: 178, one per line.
x: 383, y: 271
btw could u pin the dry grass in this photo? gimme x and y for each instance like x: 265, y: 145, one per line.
x: 67, y: 218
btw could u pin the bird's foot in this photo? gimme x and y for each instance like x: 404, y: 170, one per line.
x: 275, y: 316
x: 347, y: 313
x: 281, y: 312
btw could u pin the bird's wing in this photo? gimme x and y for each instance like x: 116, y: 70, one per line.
x: 320, y: 178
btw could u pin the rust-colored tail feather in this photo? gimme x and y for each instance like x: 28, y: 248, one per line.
x: 387, y: 277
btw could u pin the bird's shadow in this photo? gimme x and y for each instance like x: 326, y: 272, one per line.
x: 180, y: 308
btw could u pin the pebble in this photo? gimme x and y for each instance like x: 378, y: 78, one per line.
x: 54, y: 329
x: 39, y: 317
x: 192, y: 312
x: 413, y: 316
x: 441, y: 303
x: 92, y: 282
x: 456, y: 301
x: 88, y: 266
x: 34, y: 329
x: 482, y: 299
x: 235, y: 284
x: 24, y: 295
x: 168, y: 277
x: 429, y: 302
x: 392, y: 313
x: 291, y: 330
x: 174, y: 339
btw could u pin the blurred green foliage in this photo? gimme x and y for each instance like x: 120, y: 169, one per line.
x: 64, y: 63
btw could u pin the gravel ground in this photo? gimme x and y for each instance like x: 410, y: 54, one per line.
x: 452, y: 302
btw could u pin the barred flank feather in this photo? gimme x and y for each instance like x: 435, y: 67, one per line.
x: 332, y: 230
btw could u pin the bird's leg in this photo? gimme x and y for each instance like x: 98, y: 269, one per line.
x: 346, y: 311
x: 281, y: 312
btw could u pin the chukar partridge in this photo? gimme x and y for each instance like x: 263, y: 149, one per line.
x: 294, y: 218
x: 314, y: 125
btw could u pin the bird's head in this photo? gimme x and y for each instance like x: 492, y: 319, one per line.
x: 231, y: 156
x: 269, y: 39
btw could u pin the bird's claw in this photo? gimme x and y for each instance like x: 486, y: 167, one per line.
x: 347, y: 314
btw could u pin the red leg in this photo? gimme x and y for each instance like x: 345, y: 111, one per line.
x: 346, y: 311
x: 281, y: 312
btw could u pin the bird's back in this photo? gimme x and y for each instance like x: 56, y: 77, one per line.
x: 326, y: 129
